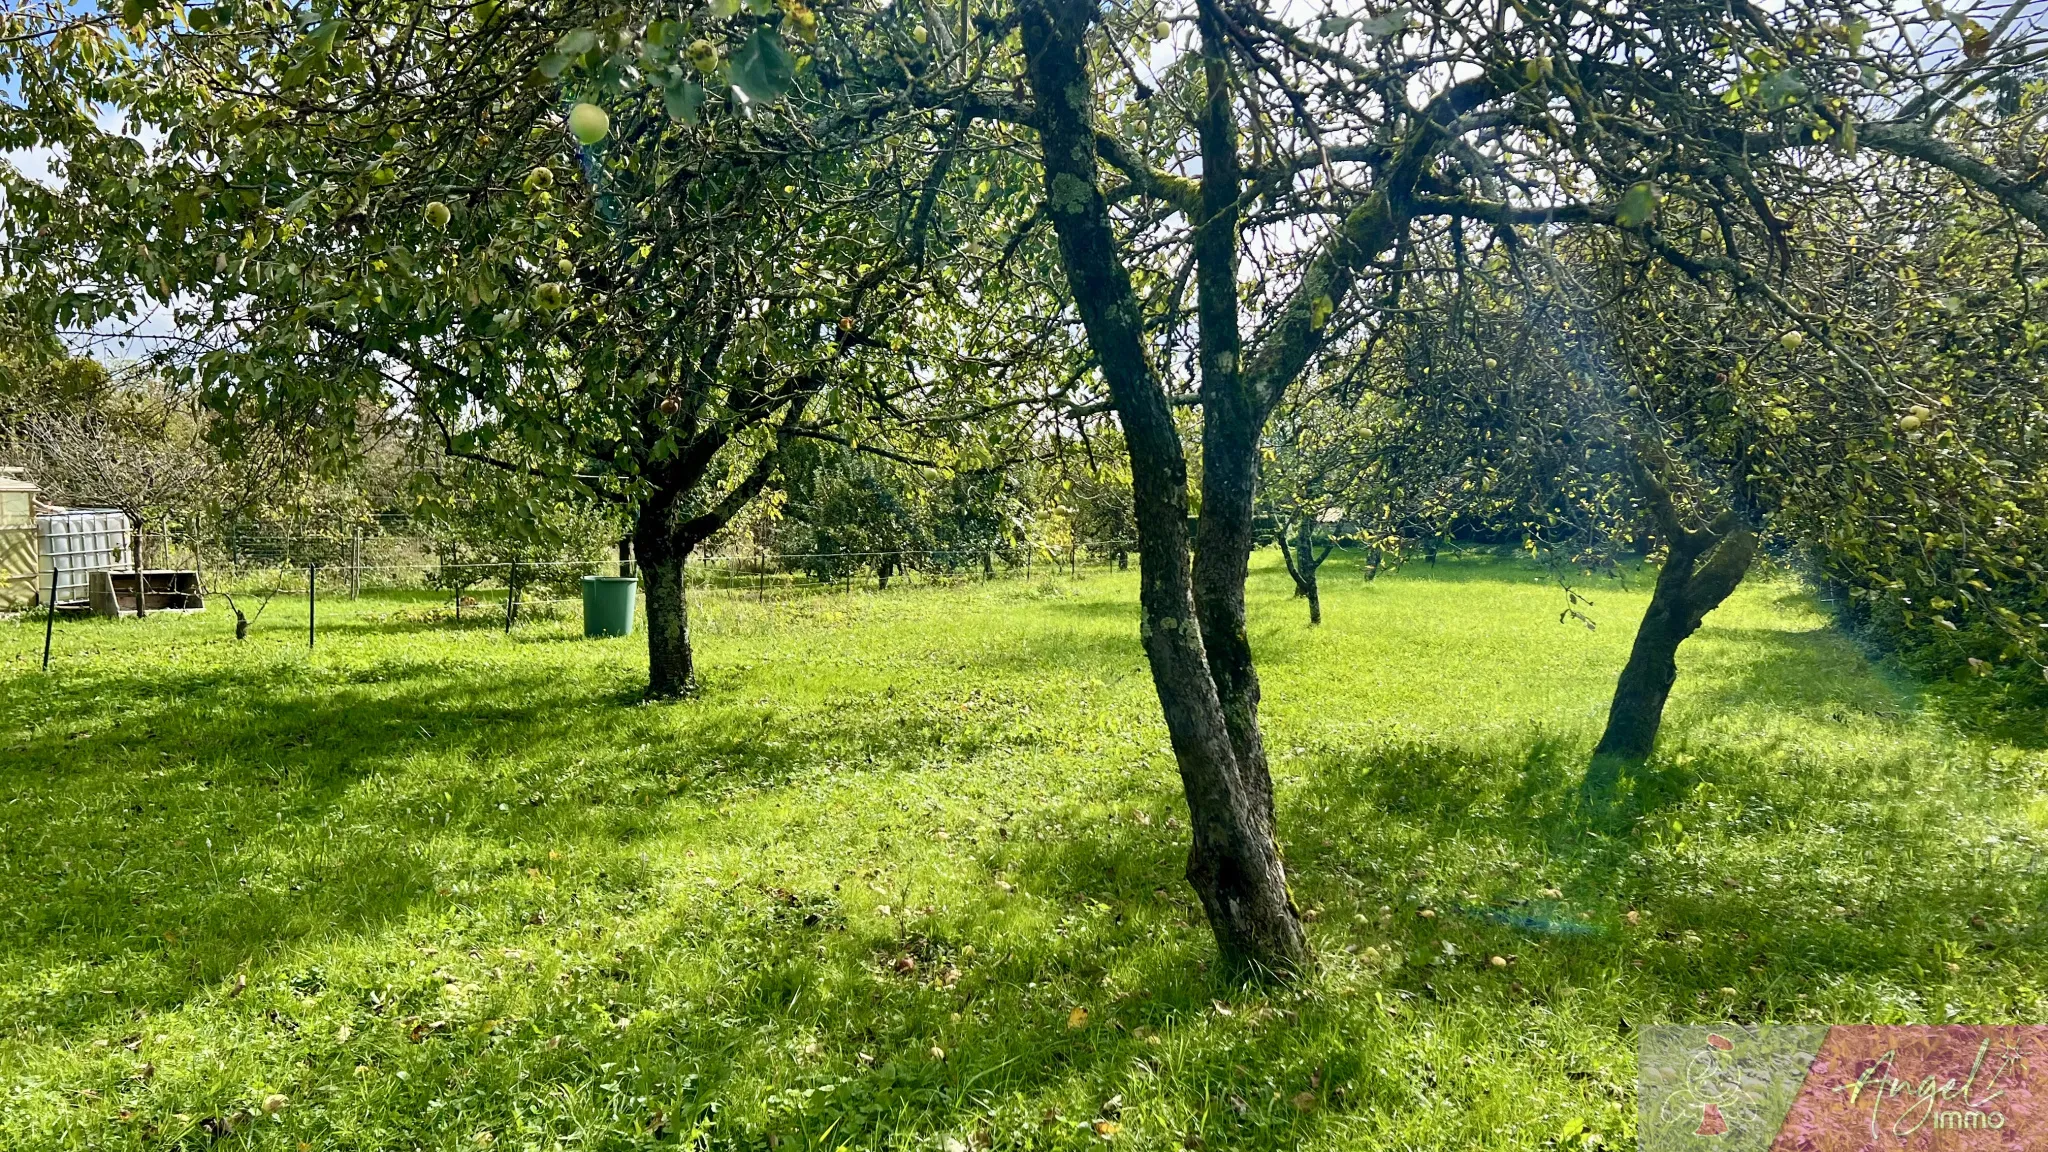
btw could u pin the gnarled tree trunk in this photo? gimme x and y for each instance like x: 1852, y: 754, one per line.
x: 1701, y: 568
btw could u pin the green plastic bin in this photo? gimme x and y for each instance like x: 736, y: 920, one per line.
x: 608, y: 605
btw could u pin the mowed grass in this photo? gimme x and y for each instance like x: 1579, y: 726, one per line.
x: 908, y: 874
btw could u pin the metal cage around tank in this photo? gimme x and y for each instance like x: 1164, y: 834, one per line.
x: 76, y: 543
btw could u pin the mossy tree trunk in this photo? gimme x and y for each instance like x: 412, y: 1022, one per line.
x: 671, y: 665
x: 662, y: 549
x: 1234, y: 862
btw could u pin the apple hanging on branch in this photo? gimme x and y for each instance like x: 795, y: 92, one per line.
x: 589, y: 123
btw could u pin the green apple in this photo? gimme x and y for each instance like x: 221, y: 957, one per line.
x: 589, y: 123
x: 1791, y: 341
x: 436, y: 214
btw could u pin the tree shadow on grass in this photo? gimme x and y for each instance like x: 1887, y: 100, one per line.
x: 1105, y: 966
x: 1780, y: 881
x: 1096, y: 972
x: 168, y: 828
x: 1818, y: 674
x: 1764, y: 920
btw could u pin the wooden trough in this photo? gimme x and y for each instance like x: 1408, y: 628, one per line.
x: 116, y: 594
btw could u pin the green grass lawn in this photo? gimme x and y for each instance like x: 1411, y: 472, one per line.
x: 908, y: 874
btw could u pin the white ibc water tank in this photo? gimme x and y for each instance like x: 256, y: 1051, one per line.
x: 78, y: 542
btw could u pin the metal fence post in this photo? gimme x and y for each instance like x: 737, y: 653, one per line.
x: 50, y: 617
x: 511, y: 595
x: 312, y: 606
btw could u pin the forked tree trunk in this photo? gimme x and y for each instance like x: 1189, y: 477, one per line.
x: 1202, y: 669
x: 1702, y: 567
x: 1303, y: 564
x: 1234, y: 863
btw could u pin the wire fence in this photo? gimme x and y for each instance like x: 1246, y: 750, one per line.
x: 289, y: 569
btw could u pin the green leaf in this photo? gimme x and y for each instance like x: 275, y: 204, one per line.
x: 1638, y: 206
x: 577, y: 43
x: 1386, y: 23
x: 553, y: 66
x: 1335, y: 25
x: 1320, y: 310
x: 1782, y: 89
x: 761, y: 69
x: 683, y: 99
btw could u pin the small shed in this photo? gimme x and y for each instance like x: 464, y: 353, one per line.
x: 18, y: 552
